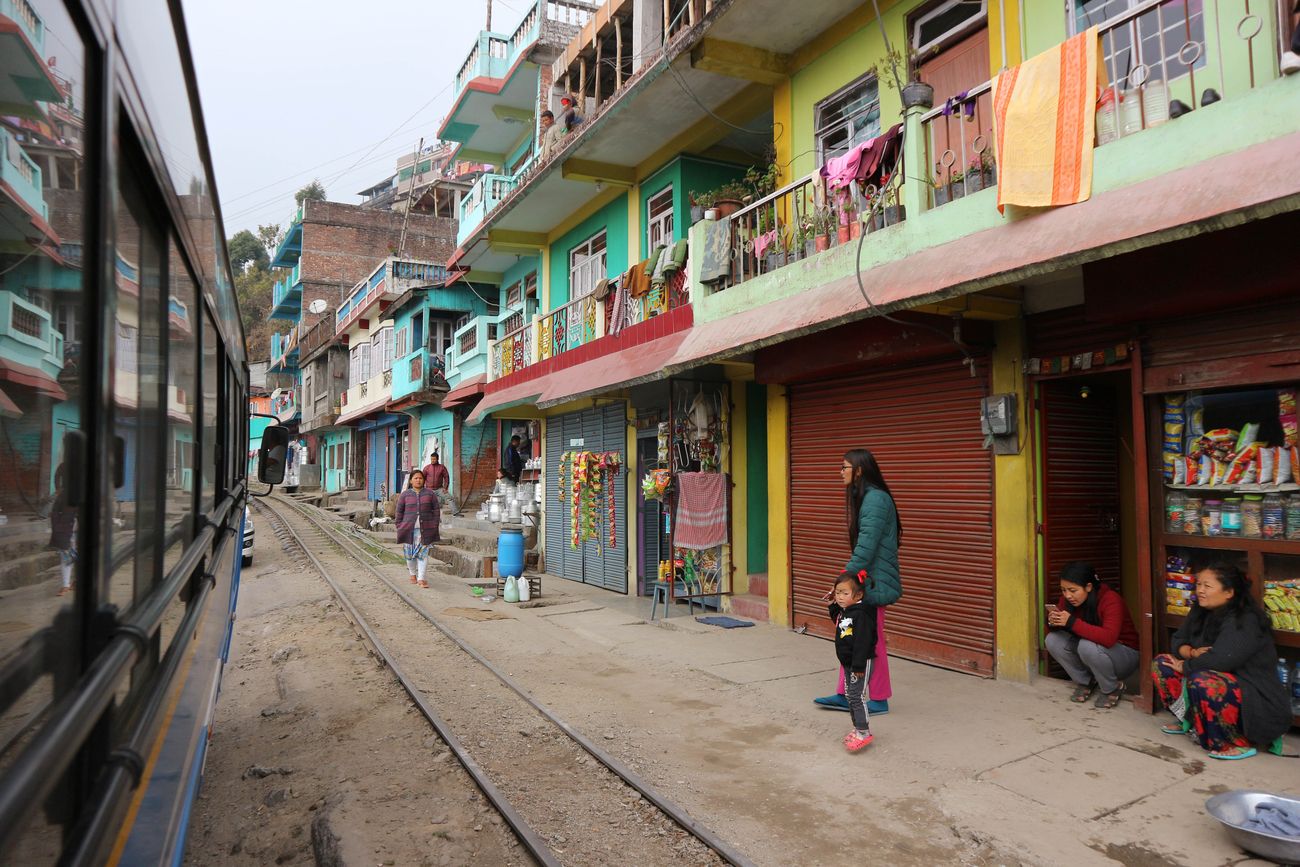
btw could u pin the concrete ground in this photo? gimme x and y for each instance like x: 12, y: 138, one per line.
x: 722, y: 720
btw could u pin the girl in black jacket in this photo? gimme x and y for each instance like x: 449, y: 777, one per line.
x: 1223, y: 659
x: 855, y: 646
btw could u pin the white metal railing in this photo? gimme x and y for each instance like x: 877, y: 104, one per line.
x: 959, y: 142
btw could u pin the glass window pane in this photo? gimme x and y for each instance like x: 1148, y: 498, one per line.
x: 210, y: 373
x: 43, y: 318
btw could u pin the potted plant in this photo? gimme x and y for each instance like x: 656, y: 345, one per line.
x: 763, y: 180
x: 700, y: 202
x: 918, y: 93
x: 805, y: 234
x: 730, y: 197
x: 988, y: 167
x: 891, y: 212
x: 941, y: 193
x: 956, y: 189
x: 823, y: 225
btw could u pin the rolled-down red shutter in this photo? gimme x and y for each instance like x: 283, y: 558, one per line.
x: 923, y: 426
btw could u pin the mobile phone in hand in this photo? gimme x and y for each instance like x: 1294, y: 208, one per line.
x: 830, y: 594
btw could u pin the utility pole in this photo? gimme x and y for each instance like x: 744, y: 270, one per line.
x: 489, y: 15
x: 410, y: 195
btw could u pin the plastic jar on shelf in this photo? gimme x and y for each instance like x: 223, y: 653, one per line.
x: 1252, y: 515
x: 1212, y: 518
x: 1192, y: 517
x: 1230, y: 517
x: 1273, y: 523
x: 1175, y: 503
x: 1293, y: 517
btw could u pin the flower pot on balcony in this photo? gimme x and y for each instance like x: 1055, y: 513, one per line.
x: 697, y: 214
x: 711, y: 214
x: 822, y: 243
x: 941, y: 196
x: 890, y: 215
x: 812, y: 246
x: 855, y: 229
x: 727, y: 207
x: 841, y: 234
x: 918, y: 93
x: 974, y: 182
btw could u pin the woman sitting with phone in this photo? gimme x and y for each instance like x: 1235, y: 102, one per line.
x: 1092, y: 636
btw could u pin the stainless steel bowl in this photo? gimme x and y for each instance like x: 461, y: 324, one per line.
x: 1237, y: 807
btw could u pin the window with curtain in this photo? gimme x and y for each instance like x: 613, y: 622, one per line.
x: 847, y: 118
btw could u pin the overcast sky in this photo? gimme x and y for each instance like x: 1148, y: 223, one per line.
x: 299, y: 89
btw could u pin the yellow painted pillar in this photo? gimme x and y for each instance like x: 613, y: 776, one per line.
x: 544, y: 278
x: 778, y: 505
x: 1016, y: 561
x: 783, y: 128
x: 740, y: 491
x: 634, y: 227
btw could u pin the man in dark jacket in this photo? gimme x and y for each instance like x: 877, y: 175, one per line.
x: 511, y: 462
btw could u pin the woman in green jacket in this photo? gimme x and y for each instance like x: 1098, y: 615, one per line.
x: 874, y: 534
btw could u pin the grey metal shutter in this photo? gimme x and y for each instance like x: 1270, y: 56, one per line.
x: 556, y: 516
x: 612, y: 573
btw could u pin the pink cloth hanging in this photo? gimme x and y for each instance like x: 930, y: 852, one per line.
x: 701, y: 511
x: 841, y: 171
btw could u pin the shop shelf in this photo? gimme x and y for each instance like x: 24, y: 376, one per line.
x: 1234, y: 543
x: 1220, y: 490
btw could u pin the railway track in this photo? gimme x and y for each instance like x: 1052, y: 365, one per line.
x: 568, y: 800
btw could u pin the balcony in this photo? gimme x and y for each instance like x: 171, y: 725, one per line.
x: 1138, y: 144
x: 495, y: 91
x: 468, y: 354
x: 284, y: 404
x: 290, y: 246
x: 284, y: 352
x: 488, y: 191
x: 385, y: 284
x: 318, y: 335
x: 21, y: 174
x: 366, y: 397
x: 286, y: 296
x: 419, y: 375
x: 28, y: 337
x: 31, y: 25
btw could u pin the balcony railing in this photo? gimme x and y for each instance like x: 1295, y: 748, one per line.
x: 1155, y: 55
x: 494, y: 54
x: 20, y: 172
x: 467, y: 355
x: 390, y: 279
x: 28, y: 21
x: 489, y: 191
x: 320, y: 333
x: 567, y: 327
x: 28, y: 336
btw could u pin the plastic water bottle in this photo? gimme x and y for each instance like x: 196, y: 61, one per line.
x: 1282, y: 672
x: 1295, y: 688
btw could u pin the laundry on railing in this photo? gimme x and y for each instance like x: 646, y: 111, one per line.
x: 637, y: 279
x: 960, y: 103
x: 1044, y: 118
x: 715, y: 258
x: 676, y: 257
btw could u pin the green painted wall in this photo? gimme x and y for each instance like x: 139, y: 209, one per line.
x: 686, y: 174
x: 517, y: 272
x: 756, y: 475
x: 613, y: 219
x: 838, y: 67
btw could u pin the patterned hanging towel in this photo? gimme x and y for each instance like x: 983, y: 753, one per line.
x: 1044, y: 118
x: 701, y: 511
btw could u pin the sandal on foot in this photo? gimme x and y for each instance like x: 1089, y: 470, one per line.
x: 1174, y: 729
x: 64, y: 591
x: 1082, y: 692
x: 414, y: 579
x: 1233, y: 753
x: 1108, y: 700
x: 424, y: 584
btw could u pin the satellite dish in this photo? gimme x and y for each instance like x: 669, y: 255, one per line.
x: 318, y: 306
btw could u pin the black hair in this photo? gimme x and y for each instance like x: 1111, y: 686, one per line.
x: 1241, y: 605
x: 514, y: 438
x: 415, y: 473
x: 549, y: 114
x: 1081, y: 574
x: 866, y: 475
x: 855, y: 579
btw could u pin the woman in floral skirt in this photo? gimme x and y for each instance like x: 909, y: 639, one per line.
x: 1220, y: 681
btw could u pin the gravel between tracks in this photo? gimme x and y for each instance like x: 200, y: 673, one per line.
x: 585, y: 812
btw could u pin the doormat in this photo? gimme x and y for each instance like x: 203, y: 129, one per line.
x: 724, y: 622
x: 477, y: 613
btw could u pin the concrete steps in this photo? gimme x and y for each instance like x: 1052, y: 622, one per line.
x: 28, y: 569
x: 748, y: 605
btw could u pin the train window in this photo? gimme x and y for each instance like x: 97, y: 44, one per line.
x: 210, y: 373
x: 43, y: 319
x: 182, y: 397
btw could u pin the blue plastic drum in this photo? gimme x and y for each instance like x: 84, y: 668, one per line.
x: 510, y: 552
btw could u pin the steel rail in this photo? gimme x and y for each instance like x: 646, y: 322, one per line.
x: 529, y: 837
x: 678, y: 814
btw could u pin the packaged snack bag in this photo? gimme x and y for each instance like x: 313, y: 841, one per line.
x: 1282, y: 471
x: 1171, y: 462
x: 1179, y: 468
x: 1218, y: 472
x: 1189, y: 472
x: 1266, y: 460
x: 1205, y: 472
x: 1288, y: 429
x: 1249, y: 433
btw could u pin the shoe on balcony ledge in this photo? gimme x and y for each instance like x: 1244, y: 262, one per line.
x: 1290, y: 63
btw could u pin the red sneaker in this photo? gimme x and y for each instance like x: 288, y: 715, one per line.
x: 853, y: 742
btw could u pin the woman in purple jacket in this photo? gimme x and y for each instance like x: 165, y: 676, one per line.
x: 418, y: 514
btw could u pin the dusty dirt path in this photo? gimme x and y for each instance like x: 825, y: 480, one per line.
x: 318, y: 755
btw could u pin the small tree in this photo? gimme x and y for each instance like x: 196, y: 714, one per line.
x: 269, y: 236
x: 246, y: 250
x: 313, y: 192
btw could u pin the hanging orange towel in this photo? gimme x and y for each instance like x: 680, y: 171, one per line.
x: 1044, y: 116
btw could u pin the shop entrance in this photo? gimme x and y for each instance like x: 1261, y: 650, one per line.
x: 1085, y: 509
